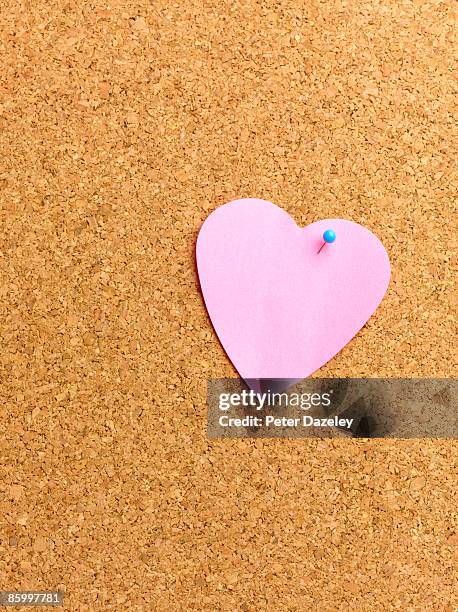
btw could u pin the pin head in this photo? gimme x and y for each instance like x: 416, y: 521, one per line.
x: 329, y: 236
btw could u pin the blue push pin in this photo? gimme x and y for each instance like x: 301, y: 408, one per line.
x: 329, y: 236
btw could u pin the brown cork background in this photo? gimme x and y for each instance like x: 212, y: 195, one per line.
x: 122, y: 126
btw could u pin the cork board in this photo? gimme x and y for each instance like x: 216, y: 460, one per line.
x: 123, y: 124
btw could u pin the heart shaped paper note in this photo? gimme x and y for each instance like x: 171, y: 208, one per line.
x: 281, y: 309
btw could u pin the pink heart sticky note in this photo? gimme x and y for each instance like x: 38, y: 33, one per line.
x: 280, y: 308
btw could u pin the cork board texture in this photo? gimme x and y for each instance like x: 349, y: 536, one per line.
x: 122, y: 126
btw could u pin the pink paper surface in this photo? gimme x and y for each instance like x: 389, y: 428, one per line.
x: 280, y: 309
